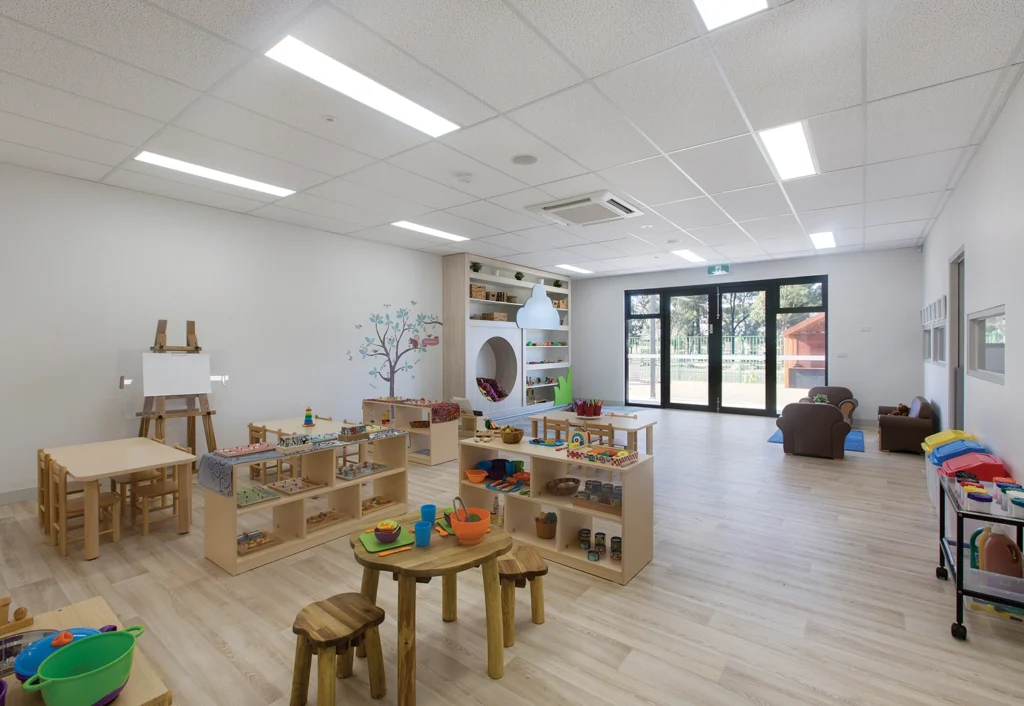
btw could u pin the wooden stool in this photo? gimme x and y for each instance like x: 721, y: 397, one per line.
x: 515, y: 569
x: 335, y: 628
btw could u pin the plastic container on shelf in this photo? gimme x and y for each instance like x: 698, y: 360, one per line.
x: 955, y: 449
x: 944, y: 437
x: 984, y: 466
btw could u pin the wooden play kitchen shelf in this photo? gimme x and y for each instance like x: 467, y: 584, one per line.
x: 144, y: 687
x: 429, y: 445
x: 546, y: 464
x: 290, y: 529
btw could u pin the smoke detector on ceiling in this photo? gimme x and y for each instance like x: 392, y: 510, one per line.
x: 587, y: 210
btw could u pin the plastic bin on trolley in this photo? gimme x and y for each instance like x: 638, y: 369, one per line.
x: 985, y: 467
x: 941, y: 454
x: 944, y: 437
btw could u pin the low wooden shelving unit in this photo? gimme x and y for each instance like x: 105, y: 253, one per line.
x: 429, y: 445
x: 635, y: 526
x: 343, y: 498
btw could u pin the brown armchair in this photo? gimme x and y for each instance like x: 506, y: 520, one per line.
x: 813, y: 430
x: 840, y: 397
x: 906, y: 433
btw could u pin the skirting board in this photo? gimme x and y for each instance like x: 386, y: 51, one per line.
x: 17, y: 496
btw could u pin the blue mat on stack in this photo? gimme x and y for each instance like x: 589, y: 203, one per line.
x: 854, y: 440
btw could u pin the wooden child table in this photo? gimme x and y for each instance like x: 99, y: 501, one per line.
x: 445, y: 557
x: 144, y: 688
x: 631, y: 426
x: 92, y: 463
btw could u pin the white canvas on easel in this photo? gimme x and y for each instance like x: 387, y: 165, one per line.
x: 166, y: 374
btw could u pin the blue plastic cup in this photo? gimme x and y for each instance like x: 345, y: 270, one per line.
x: 423, y: 533
x: 428, y: 513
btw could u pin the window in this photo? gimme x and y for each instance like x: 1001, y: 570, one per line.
x: 939, y: 344
x: 926, y: 341
x: 986, y: 332
x: 641, y: 304
x: 795, y: 296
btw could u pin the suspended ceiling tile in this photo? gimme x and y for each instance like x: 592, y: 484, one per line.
x: 727, y: 165
x: 334, y: 210
x: 838, y: 139
x: 833, y: 219
x: 50, y: 105
x: 800, y: 60
x: 826, y: 190
x: 574, y: 186
x: 308, y: 220
x: 658, y: 95
x: 345, y: 40
x: 848, y: 238
x: 197, y: 182
x: 199, y: 149
x: 266, y: 87
x: 495, y: 216
x: 599, y: 36
x: 742, y: 251
x: 908, y: 208
x: 914, y: 43
x: 455, y: 225
x: 757, y: 202
x: 497, y: 141
x: 913, y: 175
x: 693, y: 213
x: 891, y: 244
x: 485, y: 249
x: 391, y: 207
x: 551, y: 237
x: 594, y: 251
x: 33, y: 158
x: 251, y: 23
x: 33, y: 133
x: 652, y: 181
x: 393, y: 180
x: 777, y: 228
x: 650, y: 223
x: 227, y: 122
x: 498, y: 58
x: 1006, y: 83
x: 390, y: 235
x: 443, y: 164
x: 518, y: 201
x: 137, y: 181
x: 596, y: 266
x: 715, y: 236
x: 938, y: 118
x: 909, y: 230
x: 514, y: 242
x: 544, y: 258
x: 584, y: 125
x: 794, y: 244
x: 137, y: 33
x: 55, y: 62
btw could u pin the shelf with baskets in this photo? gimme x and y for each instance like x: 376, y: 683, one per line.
x: 430, y: 443
x: 545, y: 464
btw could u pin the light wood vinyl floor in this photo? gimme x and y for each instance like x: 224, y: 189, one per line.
x: 776, y: 580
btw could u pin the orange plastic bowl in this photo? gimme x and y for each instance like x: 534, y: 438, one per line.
x: 470, y: 533
x: 476, y: 476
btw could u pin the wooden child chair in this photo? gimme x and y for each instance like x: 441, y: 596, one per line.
x: 126, y: 486
x: 560, y: 428
x: 64, y: 508
x: 515, y: 569
x: 258, y: 435
x: 335, y: 628
x: 162, y: 489
x: 601, y: 434
x: 43, y: 493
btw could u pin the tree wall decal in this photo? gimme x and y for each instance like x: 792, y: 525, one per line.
x: 396, y: 336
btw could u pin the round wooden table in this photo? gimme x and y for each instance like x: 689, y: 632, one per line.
x: 445, y: 557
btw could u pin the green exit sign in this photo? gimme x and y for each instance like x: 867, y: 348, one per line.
x: 716, y: 270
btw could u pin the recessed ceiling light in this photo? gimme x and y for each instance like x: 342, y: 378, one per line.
x: 647, y: 227
x: 673, y: 241
x: 428, y: 231
x: 309, y: 62
x: 716, y: 13
x: 524, y: 160
x: 207, y: 173
x: 573, y: 268
x: 789, y: 149
x: 823, y: 240
x: 689, y: 255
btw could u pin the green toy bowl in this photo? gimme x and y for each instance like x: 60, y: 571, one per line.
x: 89, y: 671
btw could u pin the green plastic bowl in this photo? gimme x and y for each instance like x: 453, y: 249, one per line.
x: 87, y: 671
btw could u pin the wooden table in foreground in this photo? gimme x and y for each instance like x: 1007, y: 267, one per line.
x: 92, y: 463
x: 144, y: 687
x: 445, y: 557
x: 626, y: 424
x: 545, y: 464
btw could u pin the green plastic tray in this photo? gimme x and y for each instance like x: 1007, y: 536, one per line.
x: 373, y: 546
x: 445, y: 526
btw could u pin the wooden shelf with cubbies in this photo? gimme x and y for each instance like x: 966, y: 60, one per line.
x: 430, y: 443
x: 286, y: 517
x: 635, y: 525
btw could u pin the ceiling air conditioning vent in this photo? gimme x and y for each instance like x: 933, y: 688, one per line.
x: 588, y: 210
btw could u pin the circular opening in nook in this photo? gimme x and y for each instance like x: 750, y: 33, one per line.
x: 496, y: 369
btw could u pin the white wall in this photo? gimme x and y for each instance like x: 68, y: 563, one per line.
x: 878, y: 290
x: 985, y: 217
x: 87, y: 270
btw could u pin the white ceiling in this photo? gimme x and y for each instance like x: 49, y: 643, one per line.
x: 633, y: 96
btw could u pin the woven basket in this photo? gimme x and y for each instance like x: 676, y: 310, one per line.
x: 564, y: 486
x: 512, y: 437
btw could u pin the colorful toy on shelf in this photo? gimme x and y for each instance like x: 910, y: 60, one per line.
x: 352, y: 432
x: 290, y: 486
x: 387, y: 531
x: 375, y: 503
x: 504, y: 486
x: 588, y: 408
x: 546, y: 523
x: 579, y: 438
x: 308, y: 421
x: 22, y: 619
x: 253, y: 541
x: 605, y: 455
x: 252, y: 496
x: 246, y: 450
x: 322, y: 519
x: 550, y: 443
x: 295, y: 442
x: 358, y: 470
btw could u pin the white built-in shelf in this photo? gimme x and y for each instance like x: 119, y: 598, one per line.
x: 513, y: 324
x: 480, y: 277
x: 474, y: 300
x: 546, y: 348
x: 545, y: 366
x: 547, y: 384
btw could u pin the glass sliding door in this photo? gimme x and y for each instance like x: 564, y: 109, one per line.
x: 643, y: 349
x: 743, y: 326
x: 689, y: 351
x: 801, y: 341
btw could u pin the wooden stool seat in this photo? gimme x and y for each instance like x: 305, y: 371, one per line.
x: 515, y: 569
x: 335, y: 628
x: 76, y: 506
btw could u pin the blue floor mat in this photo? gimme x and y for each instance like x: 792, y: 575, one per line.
x: 854, y: 440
